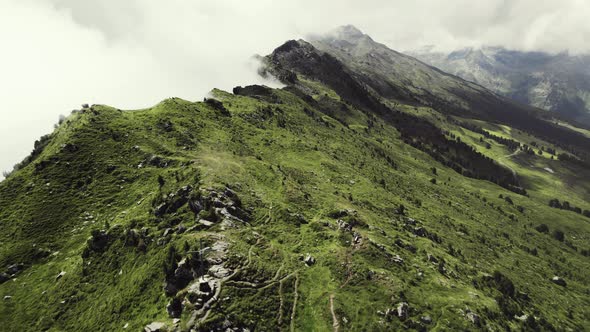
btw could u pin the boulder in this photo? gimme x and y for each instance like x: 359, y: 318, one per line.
x: 183, y: 273
x: 156, y: 161
x: 559, y: 281
x: 195, y: 206
x: 201, y: 291
x: 397, y: 259
x: 356, y: 238
x: 431, y: 258
x: 180, y: 229
x: 473, y: 318
x: 4, y: 277
x: 60, y: 275
x: 426, y: 320
x: 252, y: 91
x: 298, y: 219
x: 206, y: 223
x: 170, y: 288
x: 309, y: 260
x: 15, y: 268
x: 174, y: 308
x: 98, y: 241
x: 343, y: 225
x: 217, y: 105
x: 238, y: 213
x: 402, y: 310
x: 219, y: 271
x: 420, y: 231
x: 155, y: 327
x: 167, y: 231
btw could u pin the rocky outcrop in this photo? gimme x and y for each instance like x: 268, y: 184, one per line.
x: 558, y: 281
x: 155, y: 327
x: 173, y: 201
x: 196, y: 279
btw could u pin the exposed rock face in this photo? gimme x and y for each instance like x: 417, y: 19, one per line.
x: 554, y: 82
x: 174, y: 308
x: 257, y: 91
x: 98, y: 242
x: 173, y: 202
x: 197, y: 281
x: 201, y: 291
x: 155, y: 327
x: 217, y: 105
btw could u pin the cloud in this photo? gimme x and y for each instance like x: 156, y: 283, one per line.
x: 57, y: 54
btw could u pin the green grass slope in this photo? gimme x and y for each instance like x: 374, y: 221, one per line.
x: 335, y: 225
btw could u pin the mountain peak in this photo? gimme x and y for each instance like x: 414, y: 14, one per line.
x: 346, y: 32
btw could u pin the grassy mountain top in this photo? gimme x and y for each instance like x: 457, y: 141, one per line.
x: 319, y: 206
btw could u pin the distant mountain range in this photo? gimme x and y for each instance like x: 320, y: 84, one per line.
x: 553, y: 82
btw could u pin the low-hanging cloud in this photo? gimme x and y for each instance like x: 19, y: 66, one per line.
x: 57, y: 54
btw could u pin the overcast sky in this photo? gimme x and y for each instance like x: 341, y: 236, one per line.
x: 58, y: 54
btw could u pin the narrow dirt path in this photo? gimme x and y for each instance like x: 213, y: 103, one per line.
x: 295, y: 298
x: 280, y: 319
x: 209, y: 304
x: 335, y: 323
x: 506, y: 157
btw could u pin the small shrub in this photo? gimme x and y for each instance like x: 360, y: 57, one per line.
x: 542, y: 228
x: 559, y: 235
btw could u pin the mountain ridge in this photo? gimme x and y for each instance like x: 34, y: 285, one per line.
x: 554, y: 82
x: 323, y: 205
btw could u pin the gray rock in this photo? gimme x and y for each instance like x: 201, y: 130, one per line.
x: 309, y: 260
x: 559, y: 281
x: 205, y: 223
x: 343, y: 225
x: 420, y: 231
x: 202, y: 290
x: 219, y: 271
x: 180, y: 229
x: 473, y: 318
x: 356, y: 238
x: 397, y: 259
x: 431, y: 258
x: 426, y: 320
x: 15, y: 268
x: 60, y: 275
x: 174, y: 308
x: 4, y: 277
x: 183, y: 271
x: 402, y: 310
x: 155, y: 327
